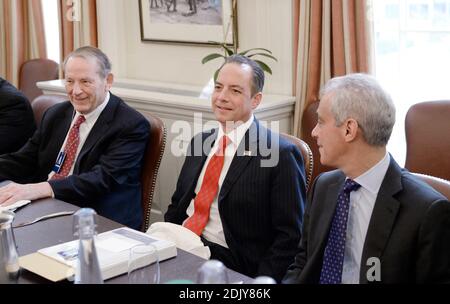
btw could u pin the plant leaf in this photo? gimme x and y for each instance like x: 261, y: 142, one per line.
x: 216, y: 73
x: 262, y: 54
x: 228, y: 50
x: 264, y: 66
x: 255, y: 49
x: 211, y: 57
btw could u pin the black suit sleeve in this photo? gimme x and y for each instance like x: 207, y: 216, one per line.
x: 21, y: 166
x: 120, y: 159
x: 175, y: 213
x: 287, y: 206
x: 433, y: 254
x: 295, y: 269
x: 16, y: 119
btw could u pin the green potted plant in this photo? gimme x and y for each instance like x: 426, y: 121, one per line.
x: 231, y: 50
x: 250, y: 53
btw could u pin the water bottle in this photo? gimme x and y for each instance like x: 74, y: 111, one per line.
x: 9, y: 259
x: 87, y: 267
x: 212, y: 272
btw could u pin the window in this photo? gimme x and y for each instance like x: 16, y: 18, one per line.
x: 51, y: 27
x: 412, y: 56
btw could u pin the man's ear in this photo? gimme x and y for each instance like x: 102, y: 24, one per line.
x: 109, y: 81
x: 351, y: 129
x: 256, y: 100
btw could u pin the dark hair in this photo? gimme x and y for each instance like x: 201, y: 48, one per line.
x: 87, y: 52
x: 258, y: 73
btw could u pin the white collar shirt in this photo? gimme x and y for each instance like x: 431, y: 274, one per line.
x: 213, y: 231
x: 362, y: 202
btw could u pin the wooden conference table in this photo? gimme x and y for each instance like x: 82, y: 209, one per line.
x: 59, y: 230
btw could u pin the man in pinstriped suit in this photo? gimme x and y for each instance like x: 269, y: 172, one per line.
x: 254, y: 221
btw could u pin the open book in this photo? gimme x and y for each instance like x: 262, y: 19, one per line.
x: 58, y: 262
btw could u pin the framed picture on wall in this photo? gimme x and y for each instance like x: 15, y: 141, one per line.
x: 189, y: 21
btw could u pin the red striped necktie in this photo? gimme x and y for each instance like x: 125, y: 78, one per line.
x: 70, y: 149
x: 208, y: 191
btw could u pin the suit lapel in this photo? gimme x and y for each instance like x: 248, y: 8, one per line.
x: 195, y: 165
x: 326, y: 213
x: 383, y: 217
x: 247, y: 149
x: 61, y: 127
x: 99, y: 129
x: 208, y: 140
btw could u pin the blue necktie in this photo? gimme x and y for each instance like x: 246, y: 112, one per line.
x: 333, y: 258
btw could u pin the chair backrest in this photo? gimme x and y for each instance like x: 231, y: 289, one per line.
x: 308, y: 158
x: 33, y: 71
x: 152, y: 159
x: 427, y: 126
x: 41, y: 103
x: 439, y: 184
x: 309, y: 121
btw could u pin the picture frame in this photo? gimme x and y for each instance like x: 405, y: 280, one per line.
x: 205, y: 22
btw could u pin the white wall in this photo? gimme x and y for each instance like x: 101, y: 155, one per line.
x: 261, y: 23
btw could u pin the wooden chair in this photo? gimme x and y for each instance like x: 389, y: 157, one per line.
x: 309, y: 121
x: 152, y: 160
x: 33, y: 71
x: 427, y: 126
x: 41, y: 103
x: 440, y: 185
x: 307, y: 156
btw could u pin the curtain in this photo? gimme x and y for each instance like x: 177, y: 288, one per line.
x: 78, y: 23
x: 21, y: 36
x: 331, y: 38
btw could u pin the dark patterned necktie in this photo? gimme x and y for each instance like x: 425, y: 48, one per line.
x: 333, y: 258
x: 70, y: 149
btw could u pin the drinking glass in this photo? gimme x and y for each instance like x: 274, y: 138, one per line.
x: 143, y: 265
x: 212, y: 272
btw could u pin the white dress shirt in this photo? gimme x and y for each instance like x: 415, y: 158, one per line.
x: 362, y: 202
x: 85, y: 129
x: 213, y: 231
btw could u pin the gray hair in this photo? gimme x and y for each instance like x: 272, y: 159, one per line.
x: 360, y: 96
x: 258, y: 73
x: 87, y: 52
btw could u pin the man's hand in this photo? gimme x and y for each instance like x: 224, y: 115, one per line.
x: 13, y: 192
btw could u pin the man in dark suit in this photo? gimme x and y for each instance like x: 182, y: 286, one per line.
x: 88, y: 151
x: 16, y: 118
x: 370, y: 220
x: 252, y: 218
